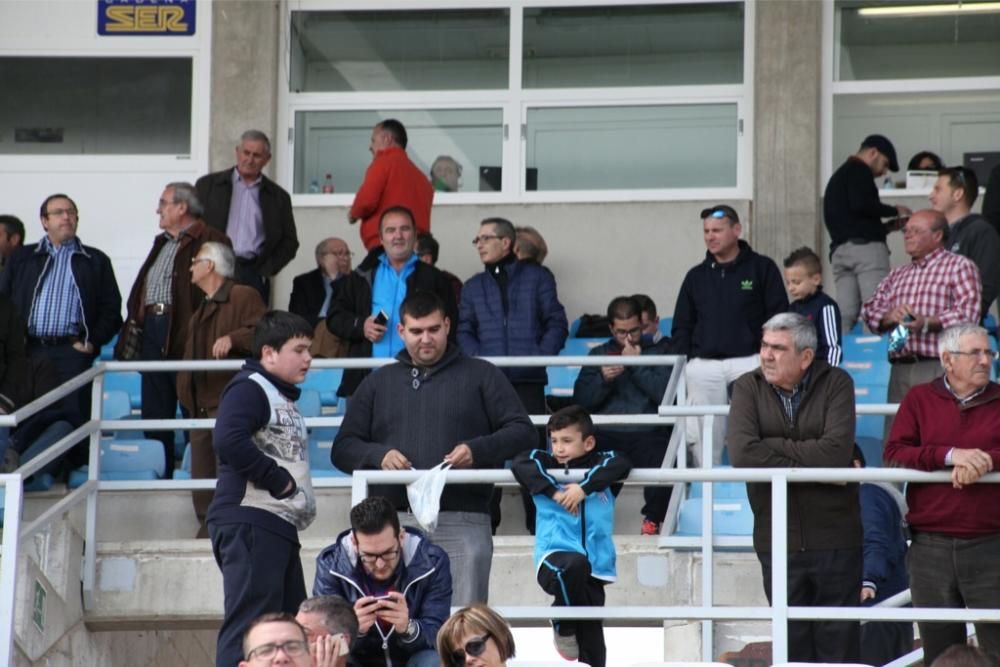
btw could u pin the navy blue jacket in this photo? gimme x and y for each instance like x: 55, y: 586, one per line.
x: 638, y: 390
x: 824, y: 312
x: 423, y: 577
x: 885, y: 541
x: 721, y: 307
x: 533, y: 324
x: 99, y: 295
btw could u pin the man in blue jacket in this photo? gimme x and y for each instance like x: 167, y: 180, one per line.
x: 397, y: 580
x: 721, y: 307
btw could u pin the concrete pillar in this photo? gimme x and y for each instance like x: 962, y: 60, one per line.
x: 787, y: 191
x: 245, y: 57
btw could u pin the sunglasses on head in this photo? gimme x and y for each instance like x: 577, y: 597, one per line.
x: 474, y: 647
x: 718, y: 213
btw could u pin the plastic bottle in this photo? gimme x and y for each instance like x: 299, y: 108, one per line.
x: 328, y: 185
x: 314, y: 187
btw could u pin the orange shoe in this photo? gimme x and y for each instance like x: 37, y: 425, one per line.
x: 650, y: 527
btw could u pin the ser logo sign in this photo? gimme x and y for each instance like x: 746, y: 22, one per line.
x: 145, y: 17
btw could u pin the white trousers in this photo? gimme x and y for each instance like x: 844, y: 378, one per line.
x: 707, y: 381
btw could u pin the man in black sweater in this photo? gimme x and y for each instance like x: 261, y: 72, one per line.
x: 437, y: 405
x: 853, y: 215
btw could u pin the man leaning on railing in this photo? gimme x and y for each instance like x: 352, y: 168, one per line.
x: 952, y: 422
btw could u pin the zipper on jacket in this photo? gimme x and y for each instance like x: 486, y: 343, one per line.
x: 583, y: 526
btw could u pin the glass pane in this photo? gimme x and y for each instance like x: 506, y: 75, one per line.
x: 622, y: 148
x: 633, y: 45
x: 949, y: 124
x: 912, y: 44
x: 96, y: 106
x: 455, y: 142
x: 405, y: 50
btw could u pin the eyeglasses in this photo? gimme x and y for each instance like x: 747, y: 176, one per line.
x: 474, y: 647
x: 621, y: 333
x: 483, y: 238
x: 338, y: 253
x: 196, y: 260
x: 56, y: 212
x: 292, y: 648
x: 386, y: 556
x: 988, y: 354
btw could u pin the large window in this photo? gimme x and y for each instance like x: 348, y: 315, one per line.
x: 528, y: 102
x: 924, y: 73
x: 96, y: 106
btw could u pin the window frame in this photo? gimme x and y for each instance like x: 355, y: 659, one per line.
x: 514, y: 101
x: 831, y: 88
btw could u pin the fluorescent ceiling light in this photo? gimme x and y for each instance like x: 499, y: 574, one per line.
x: 930, y: 10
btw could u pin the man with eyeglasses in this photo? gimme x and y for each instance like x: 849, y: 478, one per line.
x: 721, y: 307
x: 969, y: 234
x: 162, y: 300
x: 312, y: 292
x: 275, y: 639
x: 853, y: 215
x: 609, y: 390
x: 936, y: 290
x: 951, y: 424
x: 68, y: 294
x: 365, y: 308
x: 398, y: 581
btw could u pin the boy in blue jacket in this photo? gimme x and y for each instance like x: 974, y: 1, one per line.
x: 574, y: 552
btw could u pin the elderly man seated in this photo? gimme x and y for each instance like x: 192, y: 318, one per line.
x: 221, y: 327
x: 951, y: 423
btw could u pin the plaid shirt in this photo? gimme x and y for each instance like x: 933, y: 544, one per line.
x: 56, y: 310
x: 942, y: 284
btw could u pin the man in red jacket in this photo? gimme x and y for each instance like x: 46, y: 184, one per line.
x: 952, y: 423
x: 391, y: 180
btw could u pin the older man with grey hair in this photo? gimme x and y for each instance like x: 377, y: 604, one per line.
x: 951, y: 423
x: 797, y: 411
x: 161, y: 302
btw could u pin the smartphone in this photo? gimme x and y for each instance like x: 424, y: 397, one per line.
x: 377, y: 598
x: 381, y: 319
x: 909, y: 318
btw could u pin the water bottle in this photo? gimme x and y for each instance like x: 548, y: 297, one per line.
x: 328, y: 185
x: 899, y: 335
x: 314, y: 187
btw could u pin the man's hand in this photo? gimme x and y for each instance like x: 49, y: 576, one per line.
x: 903, y: 210
x: 373, y: 331
x: 570, y: 497
x: 325, y: 651
x: 609, y: 373
x: 460, y: 457
x: 867, y: 593
x: 976, y: 459
x: 222, y: 346
x: 895, y: 316
x: 630, y: 350
x: 83, y: 348
x: 394, y: 460
x: 916, y: 325
x: 364, y: 609
x: 395, y: 611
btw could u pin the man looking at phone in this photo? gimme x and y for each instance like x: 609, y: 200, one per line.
x: 365, y: 309
x: 936, y: 290
x: 397, y: 580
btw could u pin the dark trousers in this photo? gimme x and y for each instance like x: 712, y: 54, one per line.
x: 821, y: 578
x: 644, y: 449
x: 884, y: 641
x: 261, y: 573
x: 68, y: 363
x: 566, y: 576
x: 247, y: 275
x: 159, y: 390
x: 204, y: 465
x: 955, y: 573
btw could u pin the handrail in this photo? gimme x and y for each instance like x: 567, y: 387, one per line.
x: 11, y: 487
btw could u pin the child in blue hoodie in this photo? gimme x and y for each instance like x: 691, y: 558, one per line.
x: 574, y: 552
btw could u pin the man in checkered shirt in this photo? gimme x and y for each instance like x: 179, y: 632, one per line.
x: 937, y: 288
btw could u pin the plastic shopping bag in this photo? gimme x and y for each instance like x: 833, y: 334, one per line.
x: 425, y: 496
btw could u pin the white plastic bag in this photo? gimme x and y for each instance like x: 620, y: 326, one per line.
x: 425, y: 496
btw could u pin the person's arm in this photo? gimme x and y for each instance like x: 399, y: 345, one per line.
x: 834, y: 448
x: 743, y: 439
x: 468, y: 321
x: 353, y: 448
x: 341, y: 319
x: 613, y: 467
x: 829, y: 328
x: 591, y: 390
x: 249, y: 310
x: 434, y: 609
x: 874, y: 310
x: 109, y: 304
x: 684, y: 318
x: 530, y: 469
x: 367, y: 199
x: 327, y: 583
x: 554, y: 326
x: 967, y: 293
x: 862, y: 195
x: 904, y: 448
x: 288, y: 241
x: 879, y: 516
x: 651, y: 380
x: 297, y: 300
x: 511, y: 429
x: 243, y: 411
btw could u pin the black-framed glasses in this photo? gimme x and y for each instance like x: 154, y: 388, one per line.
x: 630, y: 333
x: 991, y: 355
x: 56, y: 212
x: 474, y: 647
x: 292, y: 648
x: 483, y: 238
x: 386, y: 556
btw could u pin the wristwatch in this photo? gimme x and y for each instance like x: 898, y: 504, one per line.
x: 927, y: 326
x: 411, y: 629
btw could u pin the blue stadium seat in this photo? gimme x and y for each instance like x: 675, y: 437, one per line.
x: 184, y: 471
x: 78, y: 477
x: 868, y: 371
x: 580, y: 347
x: 574, y: 326
x: 116, y: 405
x: 870, y: 426
x: 731, y: 516
x: 720, y: 490
x: 40, y: 482
x: 990, y: 324
x: 130, y: 382
x: 319, y: 456
x: 561, y: 380
x: 872, y: 449
x: 309, y: 403
x: 325, y: 381
x: 132, y: 459
x: 666, y: 324
x: 108, y: 350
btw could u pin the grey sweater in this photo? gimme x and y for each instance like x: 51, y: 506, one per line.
x: 425, y: 413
